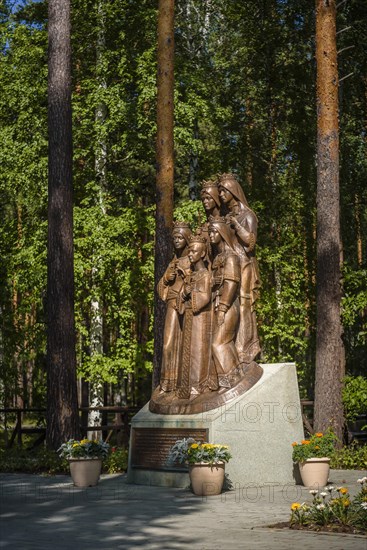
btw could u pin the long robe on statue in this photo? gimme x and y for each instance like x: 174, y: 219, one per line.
x: 196, y: 373
x: 169, y: 292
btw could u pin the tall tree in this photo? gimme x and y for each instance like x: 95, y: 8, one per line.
x: 330, y: 360
x: 165, y: 166
x: 62, y: 407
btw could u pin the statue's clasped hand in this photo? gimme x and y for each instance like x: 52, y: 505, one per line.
x: 233, y: 221
x: 187, y: 290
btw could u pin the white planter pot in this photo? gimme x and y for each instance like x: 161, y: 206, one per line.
x: 315, y: 472
x: 85, y: 472
x: 206, y: 479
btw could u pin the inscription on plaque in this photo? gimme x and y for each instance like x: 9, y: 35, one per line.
x: 150, y: 446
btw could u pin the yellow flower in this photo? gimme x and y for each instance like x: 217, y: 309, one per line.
x: 295, y: 506
x: 346, y: 502
x: 319, y: 434
x: 343, y: 490
x: 75, y: 445
x: 317, y: 447
x: 84, y: 441
x: 194, y: 446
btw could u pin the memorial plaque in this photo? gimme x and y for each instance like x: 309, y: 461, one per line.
x: 150, y: 446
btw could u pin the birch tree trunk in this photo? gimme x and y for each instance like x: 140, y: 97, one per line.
x: 96, y: 386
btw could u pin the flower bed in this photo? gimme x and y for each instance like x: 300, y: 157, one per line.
x: 332, y: 509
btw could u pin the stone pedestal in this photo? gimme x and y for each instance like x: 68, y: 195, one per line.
x: 259, y: 427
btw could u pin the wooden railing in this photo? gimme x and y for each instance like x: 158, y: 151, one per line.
x: 122, y: 418
x: 354, y: 430
x: 120, y: 425
x: 307, y: 415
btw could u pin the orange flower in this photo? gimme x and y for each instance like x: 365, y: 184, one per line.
x: 317, y: 447
x: 305, y: 441
x: 319, y: 434
x: 343, y: 490
x: 294, y: 444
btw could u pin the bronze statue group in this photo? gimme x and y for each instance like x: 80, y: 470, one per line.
x: 210, y: 288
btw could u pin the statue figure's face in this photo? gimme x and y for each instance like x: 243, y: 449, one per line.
x: 214, y: 235
x: 208, y: 201
x: 196, y: 252
x: 179, y: 241
x: 225, y: 195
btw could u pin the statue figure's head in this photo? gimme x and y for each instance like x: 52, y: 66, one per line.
x: 180, y: 235
x: 197, y: 248
x: 220, y: 230
x: 210, y: 194
x: 229, y: 182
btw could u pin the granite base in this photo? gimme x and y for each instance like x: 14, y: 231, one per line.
x: 259, y: 427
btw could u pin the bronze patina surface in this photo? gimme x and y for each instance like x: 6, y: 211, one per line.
x: 210, y: 287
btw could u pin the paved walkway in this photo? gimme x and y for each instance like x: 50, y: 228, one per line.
x: 49, y: 513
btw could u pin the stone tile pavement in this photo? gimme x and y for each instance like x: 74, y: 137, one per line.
x: 42, y: 513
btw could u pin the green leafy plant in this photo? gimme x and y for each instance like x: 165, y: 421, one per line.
x: 354, y: 396
x: 40, y: 460
x: 333, y: 507
x: 116, y: 461
x: 86, y: 448
x: 191, y: 452
x: 352, y: 457
x: 319, y: 445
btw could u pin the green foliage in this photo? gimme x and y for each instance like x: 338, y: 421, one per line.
x: 208, y: 452
x: 319, y: 445
x: 116, y: 462
x: 23, y: 195
x: 40, y: 460
x: 352, y: 457
x: 187, y: 451
x: 86, y: 448
x: 354, y: 396
x: 244, y: 102
x: 191, y: 212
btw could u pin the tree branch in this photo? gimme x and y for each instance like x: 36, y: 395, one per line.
x: 343, y: 49
x: 346, y: 76
x: 341, y: 3
x: 342, y: 30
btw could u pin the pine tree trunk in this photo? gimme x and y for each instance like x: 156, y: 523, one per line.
x: 165, y: 168
x: 62, y: 406
x: 330, y: 359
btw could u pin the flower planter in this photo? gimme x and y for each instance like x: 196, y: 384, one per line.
x: 85, y: 472
x: 315, y: 472
x: 207, y: 479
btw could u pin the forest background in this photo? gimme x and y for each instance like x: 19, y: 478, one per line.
x: 244, y: 102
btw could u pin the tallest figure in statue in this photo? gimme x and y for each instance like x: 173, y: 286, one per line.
x: 244, y: 223
x: 219, y: 282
